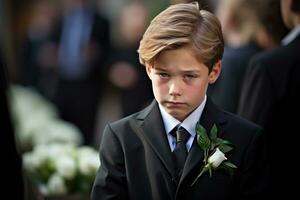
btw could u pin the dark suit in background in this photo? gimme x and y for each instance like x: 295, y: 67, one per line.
x: 270, y: 97
x: 136, y: 160
x: 227, y: 89
x: 84, y: 45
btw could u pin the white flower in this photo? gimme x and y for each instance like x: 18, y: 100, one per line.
x: 31, y: 162
x: 26, y: 100
x: 57, y: 149
x: 66, y: 166
x: 217, y: 158
x: 43, y: 126
x: 88, y: 161
x: 56, y: 185
x: 62, y: 168
x: 43, y: 189
x: 35, y: 159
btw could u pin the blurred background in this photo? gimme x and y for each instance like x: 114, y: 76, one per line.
x: 69, y: 67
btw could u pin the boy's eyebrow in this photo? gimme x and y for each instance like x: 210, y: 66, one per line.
x: 184, y: 71
x: 191, y: 71
x: 160, y: 69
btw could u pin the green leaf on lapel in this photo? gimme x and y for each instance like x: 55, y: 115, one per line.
x: 214, y: 150
x: 213, y: 134
x: 230, y: 165
x: 225, y: 148
x: 202, y: 137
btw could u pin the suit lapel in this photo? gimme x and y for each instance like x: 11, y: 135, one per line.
x: 210, y: 115
x: 153, y: 131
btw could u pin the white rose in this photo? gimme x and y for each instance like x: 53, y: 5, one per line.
x: 217, y: 158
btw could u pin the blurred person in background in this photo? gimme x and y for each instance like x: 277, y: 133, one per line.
x: 124, y: 70
x: 270, y: 97
x: 127, y: 88
x: 249, y: 26
x: 84, y: 42
x: 271, y: 28
x: 38, y: 66
x: 238, y: 26
x: 209, y: 5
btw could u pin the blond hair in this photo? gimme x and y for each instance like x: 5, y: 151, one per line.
x: 238, y: 18
x: 180, y: 25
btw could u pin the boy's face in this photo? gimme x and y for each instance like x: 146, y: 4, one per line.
x: 180, y: 81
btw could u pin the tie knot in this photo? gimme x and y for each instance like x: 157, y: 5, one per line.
x: 182, y: 135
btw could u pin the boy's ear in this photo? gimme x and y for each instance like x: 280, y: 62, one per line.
x: 148, y: 70
x: 215, y: 72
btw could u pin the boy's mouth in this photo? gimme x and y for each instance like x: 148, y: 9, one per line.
x: 174, y: 104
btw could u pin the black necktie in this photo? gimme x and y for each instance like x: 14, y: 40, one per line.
x: 180, y: 151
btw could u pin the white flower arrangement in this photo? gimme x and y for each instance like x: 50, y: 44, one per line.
x: 60, y: 169
x: 36, y: 120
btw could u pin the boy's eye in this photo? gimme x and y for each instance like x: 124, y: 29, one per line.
x: 163, y: 75
x: 189, y: 76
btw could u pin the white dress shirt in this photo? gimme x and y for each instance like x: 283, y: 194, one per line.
x: 189, y: 124
x: 291, y: 36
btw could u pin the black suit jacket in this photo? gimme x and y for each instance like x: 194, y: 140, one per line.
x: 270, y: 97
x: 136, y: 160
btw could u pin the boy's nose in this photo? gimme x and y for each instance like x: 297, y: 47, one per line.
x: 175, y: 88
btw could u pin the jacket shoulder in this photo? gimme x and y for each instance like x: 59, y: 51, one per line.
x: 238, y: 120
x: 241, y: 128
x: 123, y: 122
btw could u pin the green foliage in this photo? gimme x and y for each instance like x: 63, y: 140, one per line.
x: 211, y: 144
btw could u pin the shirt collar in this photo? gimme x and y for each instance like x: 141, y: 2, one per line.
x: 291, y: 35
x: 189, y: 123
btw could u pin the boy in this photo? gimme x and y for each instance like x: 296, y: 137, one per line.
x: 181, y: 50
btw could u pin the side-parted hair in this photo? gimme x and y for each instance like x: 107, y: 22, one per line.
x: 181, y: 25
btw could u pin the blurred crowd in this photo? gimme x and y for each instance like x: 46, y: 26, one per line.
x: 82, y: 56
x: 85, y: 61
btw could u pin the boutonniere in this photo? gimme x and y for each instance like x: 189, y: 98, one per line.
x: 214, y: 149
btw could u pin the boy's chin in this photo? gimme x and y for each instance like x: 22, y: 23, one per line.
x: 179, y: 116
